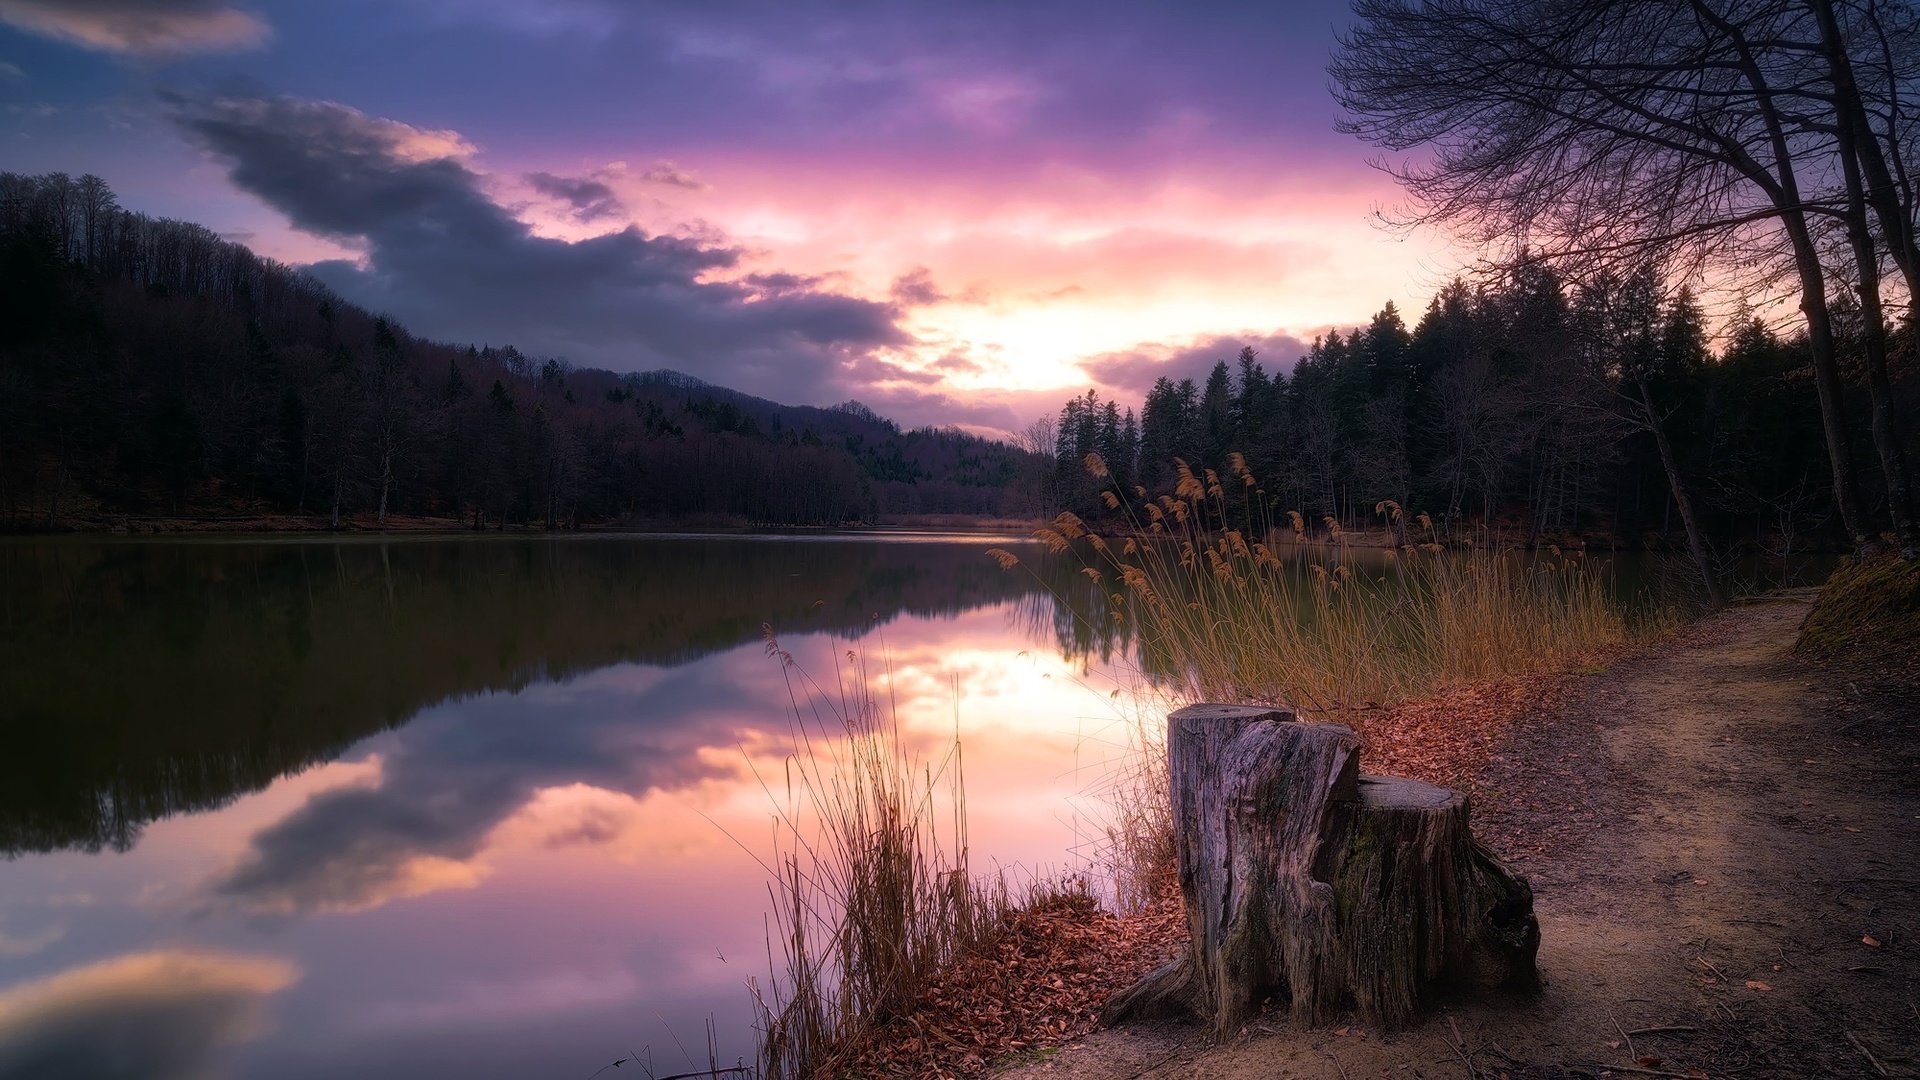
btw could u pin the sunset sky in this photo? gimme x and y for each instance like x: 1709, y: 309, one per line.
x: 954, y: 213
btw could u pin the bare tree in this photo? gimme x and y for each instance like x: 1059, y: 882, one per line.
x: 1600, y: 135
x: 1037, y: 439
x: 1860, y: 150
x: 1648, y: 343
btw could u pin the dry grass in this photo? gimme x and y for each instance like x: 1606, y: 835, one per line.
x: 893, y: 960
x: 1221, y: 616
x: 871, y: 888
x: 1228, y: 612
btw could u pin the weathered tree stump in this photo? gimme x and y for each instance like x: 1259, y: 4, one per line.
x: 1309, y: 883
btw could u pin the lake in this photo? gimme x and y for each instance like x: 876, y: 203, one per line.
x: 483, y: 807
x: 475, y: 807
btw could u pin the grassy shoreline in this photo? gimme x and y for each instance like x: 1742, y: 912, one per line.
x: 1036, y: 980
x: 1432, y: 663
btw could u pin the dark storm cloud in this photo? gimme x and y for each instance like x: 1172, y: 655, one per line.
x: 455, y: 265
x: 145, y: 27
x: 154, y: 1016
x: 590, y: 199
x: 1133, y: 371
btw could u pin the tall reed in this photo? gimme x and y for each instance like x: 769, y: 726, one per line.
x: 871, y: 888
x: 1222, y: 614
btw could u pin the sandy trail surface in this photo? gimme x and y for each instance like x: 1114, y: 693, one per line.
x: 1724, y: 842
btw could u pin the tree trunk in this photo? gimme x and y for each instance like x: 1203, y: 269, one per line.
x: 1851, y: 120
x: 1862, y: 143
x: 1696, y: 543
x: 1311, y: 884
x: 386, y: 484
x: 1783, y: 187
x: 1888, y: 441
x: 306, y: 458
x: 1826, y: 382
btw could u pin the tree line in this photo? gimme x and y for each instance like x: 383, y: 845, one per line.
x: 150, y: 367
x: 1550, y: 410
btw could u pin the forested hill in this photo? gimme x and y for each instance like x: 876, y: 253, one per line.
x: 150, y: 368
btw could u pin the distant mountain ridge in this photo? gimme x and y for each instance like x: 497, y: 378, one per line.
x: 155, y: 369
x: 799, y: 415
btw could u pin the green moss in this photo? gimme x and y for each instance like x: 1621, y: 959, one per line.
x: 1363, y: 841
x: 1876, y: 601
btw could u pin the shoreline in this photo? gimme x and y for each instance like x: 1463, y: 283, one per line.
x: 271, y: 526
x: 319, y: 527
x: 1060, y: 993
x: 1679, y: 799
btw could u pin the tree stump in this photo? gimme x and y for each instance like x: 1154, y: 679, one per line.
x: 1309, y: 883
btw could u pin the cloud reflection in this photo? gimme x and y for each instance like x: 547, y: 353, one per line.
x: 452, y: 779
x: 152, y: 1016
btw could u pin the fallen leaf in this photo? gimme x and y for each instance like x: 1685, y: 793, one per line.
x: 1756, y: 984
x: 1613, y: 1044
x: 1871, y: 941
x: 1341, y: 1032
x: 1699, y: 881
x: 1648, y: 1061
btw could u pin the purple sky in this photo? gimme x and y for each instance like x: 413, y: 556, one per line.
x: 954, y: 212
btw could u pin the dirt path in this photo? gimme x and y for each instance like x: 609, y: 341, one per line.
x: 1719, y: 824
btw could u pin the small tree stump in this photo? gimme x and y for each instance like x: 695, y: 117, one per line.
x: 1309, y: 883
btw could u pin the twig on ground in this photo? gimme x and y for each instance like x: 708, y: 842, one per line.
x: 1459, y: 1045
x: 1868, y: 1054
x: 1668, y: 1030
x: 1157, y: 1064
x: 1633, y: 1052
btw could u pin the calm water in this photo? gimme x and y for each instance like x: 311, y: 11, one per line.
x: 462, y: 807
x: 474, y: 807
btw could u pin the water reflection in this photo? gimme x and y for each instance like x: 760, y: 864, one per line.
x: 444, y: 783
x: 482, y: 797
x: 152, y: 1016
x: 140, y: 680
